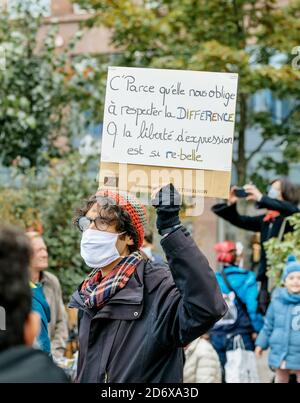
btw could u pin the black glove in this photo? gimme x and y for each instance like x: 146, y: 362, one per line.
x: 167, y: 204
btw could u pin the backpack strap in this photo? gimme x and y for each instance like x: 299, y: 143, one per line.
x: 241, y: 303
x: 282, y: 230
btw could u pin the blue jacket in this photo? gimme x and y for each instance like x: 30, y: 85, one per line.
x: 40, y: 305
x: 244, y: 284
x: 281, y: 331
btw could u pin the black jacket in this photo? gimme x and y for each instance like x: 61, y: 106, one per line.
x: 268, y: 230
x: 139, y: 334
x: 26, y: 365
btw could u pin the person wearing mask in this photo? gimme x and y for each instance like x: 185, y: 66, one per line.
x: 239, y: 288
x: 47, y: 288
x: 19, y: 362
x: 137, y: 317
x: 281, y: 202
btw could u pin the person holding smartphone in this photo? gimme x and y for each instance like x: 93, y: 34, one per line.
x: 281, y: 202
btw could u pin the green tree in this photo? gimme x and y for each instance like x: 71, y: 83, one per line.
x: 278, y: 250
x: 46, y: 201
x: 40, y: 88
x: 236, y: 36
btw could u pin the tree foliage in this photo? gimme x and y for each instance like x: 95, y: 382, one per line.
x: 46, y: 202
x: 40, y: 88
x: 249, y: 37
x: 278, y: 250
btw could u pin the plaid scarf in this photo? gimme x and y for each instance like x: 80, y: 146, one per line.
x: 96, y: 290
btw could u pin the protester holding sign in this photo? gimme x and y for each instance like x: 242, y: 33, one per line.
x: 137, y: 317
x: 280, y: 203
x: 156, y: 119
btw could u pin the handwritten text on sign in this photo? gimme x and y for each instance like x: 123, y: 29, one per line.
x: 169, y: 118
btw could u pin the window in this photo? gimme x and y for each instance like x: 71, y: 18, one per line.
x: 77, y: 9
x: 36, y: 7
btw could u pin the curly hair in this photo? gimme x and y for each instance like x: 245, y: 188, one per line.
x: 111, y: 214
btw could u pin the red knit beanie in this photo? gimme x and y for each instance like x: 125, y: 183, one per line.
x: 134, y: 208
x: 226, y: 252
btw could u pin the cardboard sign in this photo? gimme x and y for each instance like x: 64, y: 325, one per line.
x: 168, y: 126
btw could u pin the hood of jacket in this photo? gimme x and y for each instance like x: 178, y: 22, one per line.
x: 238, y: 277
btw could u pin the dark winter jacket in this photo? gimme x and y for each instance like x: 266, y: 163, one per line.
x: 26, y: 365
x: 267, y: 230
x: 139, y: 334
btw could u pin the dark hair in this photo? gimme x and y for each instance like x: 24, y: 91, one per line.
x: 111, y: 213
x: 15, y: 292
x: 148, y: 236
x: 290, y: 192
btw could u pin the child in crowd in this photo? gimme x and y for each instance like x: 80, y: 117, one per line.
x: 240, y: 290
x: 281, y: 331
x: 202, y: 363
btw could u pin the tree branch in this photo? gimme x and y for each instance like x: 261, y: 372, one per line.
x: 257, y: 149
x: 286, y: 119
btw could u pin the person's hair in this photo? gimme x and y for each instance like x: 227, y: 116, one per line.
x: 15, y: 292
x: 111, y: 214
x: 148, y: 236
x: 290, y: 192
x: 33, y: 235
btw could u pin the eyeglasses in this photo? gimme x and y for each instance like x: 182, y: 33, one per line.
x: 84, y: 223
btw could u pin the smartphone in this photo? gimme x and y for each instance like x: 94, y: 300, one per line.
x: 240, y: 193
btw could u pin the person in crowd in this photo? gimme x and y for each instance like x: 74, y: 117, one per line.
x: 148, y: 248
x: 202, y: 364
x: 281, y: 202
x: 281, y: 331
x: 136, y: 316
x: 240, y: 290
x: 47, y: 284
x: 19, y: 362
x: 41, y: 306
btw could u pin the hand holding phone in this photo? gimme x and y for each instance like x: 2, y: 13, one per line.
x: 240, y: 193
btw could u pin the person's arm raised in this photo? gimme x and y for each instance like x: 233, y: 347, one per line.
x: 284, y: 207
x: 196, y: 303
x: 230, y: 213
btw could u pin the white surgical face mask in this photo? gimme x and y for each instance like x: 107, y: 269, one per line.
x: 274, y: 193
x: 98, y: 248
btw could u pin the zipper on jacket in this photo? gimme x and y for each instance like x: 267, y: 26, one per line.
x: 269, y: 231
x: 106, y: 377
